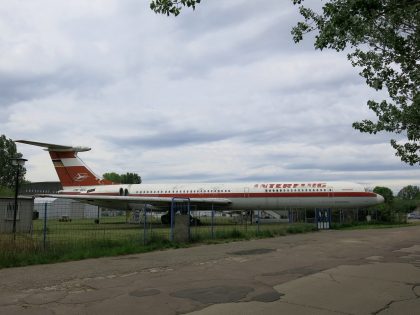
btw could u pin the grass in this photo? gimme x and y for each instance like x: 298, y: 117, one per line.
x: 81, y: 239
x: 14, y: 255
x: 368, y: 225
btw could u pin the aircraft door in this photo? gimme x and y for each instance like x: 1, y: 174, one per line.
x: 246, y: 192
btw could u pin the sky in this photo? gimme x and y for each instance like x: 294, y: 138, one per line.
x: 219, y: 94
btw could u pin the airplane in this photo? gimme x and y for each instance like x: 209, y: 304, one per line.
x: 80, y: 183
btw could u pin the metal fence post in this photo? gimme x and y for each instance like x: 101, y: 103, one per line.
x: 258, y: 222
x: 98, y: 215
x: 172, y: 221
x: 246, y: 220
x: 45, y: 226
x: 151, y: 221
x: 145, y: 225
x: 189, y: 221
x: 212, y: 221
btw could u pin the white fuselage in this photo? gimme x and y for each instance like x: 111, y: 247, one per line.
x: 247, y: 196
x: 81, y: 184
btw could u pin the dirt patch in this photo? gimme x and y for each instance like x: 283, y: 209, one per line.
x: 257, y: 251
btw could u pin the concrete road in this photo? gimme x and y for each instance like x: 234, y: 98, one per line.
x: 329, y: 272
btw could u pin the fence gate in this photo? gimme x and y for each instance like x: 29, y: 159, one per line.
x: 323, y: 218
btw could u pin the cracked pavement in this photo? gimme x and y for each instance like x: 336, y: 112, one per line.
x: 328, y: 272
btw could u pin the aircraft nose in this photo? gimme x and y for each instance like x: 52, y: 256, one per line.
x: 379, y: 198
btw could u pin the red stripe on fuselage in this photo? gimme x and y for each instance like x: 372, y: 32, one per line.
x: 242, y: 195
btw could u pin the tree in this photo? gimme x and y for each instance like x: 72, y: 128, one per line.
x: 409, y: 192
x: 386, y: 209
x: 6, y: 192
x: 113, y: 177
x: 128, y: 178
x: 385, y: 192
x: 384, y: 41
x: 408, y: 199
x: 404, y: 205
x: 169, y: 7
x: 7, y: 169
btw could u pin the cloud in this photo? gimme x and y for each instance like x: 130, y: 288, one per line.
x: 218, y: 94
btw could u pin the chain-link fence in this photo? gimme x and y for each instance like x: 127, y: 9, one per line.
x: 66, y: 228
x: 63, y: 221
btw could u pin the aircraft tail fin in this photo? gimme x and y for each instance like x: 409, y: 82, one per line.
x: 71, y: 170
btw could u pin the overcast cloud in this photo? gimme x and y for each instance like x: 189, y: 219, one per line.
x: 219, y: 94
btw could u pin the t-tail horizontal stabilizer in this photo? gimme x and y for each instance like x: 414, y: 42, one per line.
x: 71, y: 170
x: 55, y: 147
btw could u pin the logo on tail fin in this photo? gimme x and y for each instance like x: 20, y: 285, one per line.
x: 80, y: 177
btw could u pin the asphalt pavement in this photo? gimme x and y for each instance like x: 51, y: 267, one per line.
x: 328, y: 272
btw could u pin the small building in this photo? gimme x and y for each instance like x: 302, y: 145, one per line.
x: 23, y: 215
x: 57, y: 208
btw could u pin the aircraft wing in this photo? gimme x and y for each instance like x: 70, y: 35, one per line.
x: 130, y: 202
